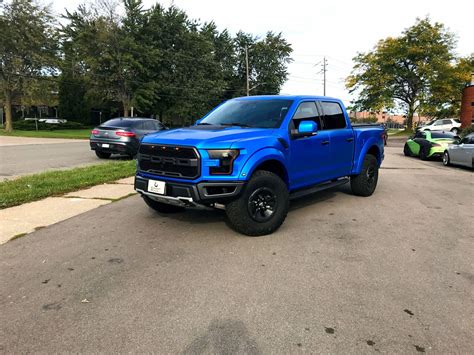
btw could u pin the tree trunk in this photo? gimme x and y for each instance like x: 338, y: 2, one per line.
x: 125, y: 110
x: 8, y: 112
x: 410, y: 114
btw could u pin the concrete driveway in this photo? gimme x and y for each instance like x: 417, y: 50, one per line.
x: 23, y: 155
x: 391, y: 273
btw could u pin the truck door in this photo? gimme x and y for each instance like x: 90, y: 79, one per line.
x: 309, y: 161
x: 341, y: 136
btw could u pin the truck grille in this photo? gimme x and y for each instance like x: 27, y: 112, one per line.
x: 172, y: 161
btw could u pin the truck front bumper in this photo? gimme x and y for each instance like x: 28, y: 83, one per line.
x: 202, y: 194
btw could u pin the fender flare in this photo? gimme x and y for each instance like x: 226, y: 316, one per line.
x: 371, y: 142
x: 259, y: 157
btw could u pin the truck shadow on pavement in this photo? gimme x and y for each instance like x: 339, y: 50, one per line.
x: 197, y: 217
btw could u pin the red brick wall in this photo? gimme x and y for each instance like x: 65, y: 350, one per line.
x: 467, y: 110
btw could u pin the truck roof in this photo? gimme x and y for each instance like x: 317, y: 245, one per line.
x: 285, y: 97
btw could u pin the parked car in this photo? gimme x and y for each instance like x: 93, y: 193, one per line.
x: 446, y: 124
x: 252, y: 155
x: 52, y: 120
x: 427, y: 144
x: 49, y: 120
x: 460, y: 152
x: 121, y: 135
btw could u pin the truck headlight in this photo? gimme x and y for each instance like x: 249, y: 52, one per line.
x: 226, y: 160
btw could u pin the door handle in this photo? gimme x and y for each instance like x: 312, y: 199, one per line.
x: 325, y: 142
x: 349, y: 139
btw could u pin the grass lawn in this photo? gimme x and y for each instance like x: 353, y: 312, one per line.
x: 38, y: 186
x: 60, y: 133
x: 403, y: 133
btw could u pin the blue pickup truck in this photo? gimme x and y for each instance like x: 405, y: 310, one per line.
x: 251, y: 155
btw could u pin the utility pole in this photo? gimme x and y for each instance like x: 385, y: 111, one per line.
x: 247, y: 68
x: 325, y: 62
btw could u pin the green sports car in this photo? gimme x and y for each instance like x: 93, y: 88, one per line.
x: 428, y: 144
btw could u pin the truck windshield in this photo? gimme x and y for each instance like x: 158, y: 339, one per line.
x: 249, y: 113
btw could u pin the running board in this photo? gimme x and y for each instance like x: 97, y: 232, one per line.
x: 319, y: 187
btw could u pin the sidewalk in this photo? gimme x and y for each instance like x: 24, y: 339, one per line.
x: 6, y: 141
x: 20, y: 220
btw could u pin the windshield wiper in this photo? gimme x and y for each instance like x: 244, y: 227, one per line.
x: 235, y: 124
x: 204, y: 124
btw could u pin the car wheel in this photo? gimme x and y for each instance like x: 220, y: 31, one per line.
x: 102, y: 155
x: 455, y: 131
x: 424, y: 151
x: 446, y: 161
x: 262, y: 207
x: 365, y: 183
x: 406, y: 150
x: 161, y: 207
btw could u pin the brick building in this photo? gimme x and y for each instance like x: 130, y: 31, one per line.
x: 467, y: 104
x: 384, y: 117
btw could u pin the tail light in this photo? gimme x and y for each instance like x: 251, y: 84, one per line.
x: 95, y: 131
x: 125, y: 134
x: 435, y: 144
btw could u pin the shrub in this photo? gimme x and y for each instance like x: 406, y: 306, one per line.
x: 466, y: 131
x: 31, y: 126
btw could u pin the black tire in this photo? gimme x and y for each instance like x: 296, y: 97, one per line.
x: 248, y: 214
x: 161, y: 207
x: 406, y: 150
x: 446, y: 159
x: 455, y: 131
x: 424, y: 151
x: 102, y: 155
x: 365, y: 183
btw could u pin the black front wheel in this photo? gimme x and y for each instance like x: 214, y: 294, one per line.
x: 406, y: 150
x: 262, y: 207
x: 365, y: 183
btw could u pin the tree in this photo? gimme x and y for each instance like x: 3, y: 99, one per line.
x: 445, y: 100
x: 408, y: 72
x: 27, y: 50
x: 160, y: 61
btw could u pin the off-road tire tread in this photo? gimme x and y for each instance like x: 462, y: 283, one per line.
x: 359, y: 183
x: 237, y: 211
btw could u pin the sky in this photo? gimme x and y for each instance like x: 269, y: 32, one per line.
x: 337, y: 30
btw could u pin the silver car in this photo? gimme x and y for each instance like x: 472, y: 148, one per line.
x: 460, y: 153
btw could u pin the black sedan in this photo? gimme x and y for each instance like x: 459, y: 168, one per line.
x: 121, y: 135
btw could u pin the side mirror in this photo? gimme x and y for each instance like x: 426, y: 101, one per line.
x: 306, y: 129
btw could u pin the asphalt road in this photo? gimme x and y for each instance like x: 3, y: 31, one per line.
x: 391, y: 273
x: 27, y: 158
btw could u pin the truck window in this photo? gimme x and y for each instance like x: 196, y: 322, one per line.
x: 306, y: 111
x: 333, y: 115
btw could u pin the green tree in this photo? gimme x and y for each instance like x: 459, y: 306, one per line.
x: 445, y: 100
x: 28, y: 51
x: 407, y: 72
x: 268, y: 60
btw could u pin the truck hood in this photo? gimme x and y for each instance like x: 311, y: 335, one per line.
x: 206, y: 136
